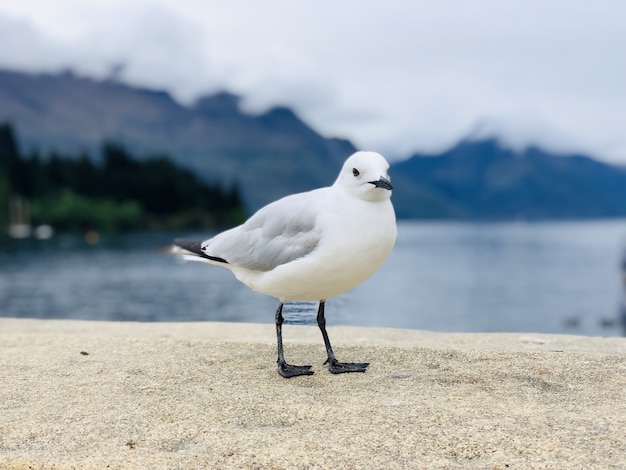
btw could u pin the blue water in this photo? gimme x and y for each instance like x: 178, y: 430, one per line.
x: 522, y: 277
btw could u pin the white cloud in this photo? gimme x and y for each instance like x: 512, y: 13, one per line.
x: 396, y: 76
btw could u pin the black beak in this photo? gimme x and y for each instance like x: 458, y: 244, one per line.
x: 382, y: 183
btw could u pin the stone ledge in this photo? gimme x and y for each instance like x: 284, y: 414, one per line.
x: 207, y: 395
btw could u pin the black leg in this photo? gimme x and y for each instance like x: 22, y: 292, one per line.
x: 334, y: 365
x: 284, y: 369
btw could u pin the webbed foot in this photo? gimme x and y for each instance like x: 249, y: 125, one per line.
x: 288, y: 370
x: 336, y: 367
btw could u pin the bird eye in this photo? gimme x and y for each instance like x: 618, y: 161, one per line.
x: 355, y: 172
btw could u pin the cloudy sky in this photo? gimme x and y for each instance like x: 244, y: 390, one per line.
x: 393, y: 76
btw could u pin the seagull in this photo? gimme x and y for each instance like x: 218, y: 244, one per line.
x: 311, y: 246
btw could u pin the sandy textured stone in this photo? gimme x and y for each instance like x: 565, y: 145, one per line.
x: 207, y: 395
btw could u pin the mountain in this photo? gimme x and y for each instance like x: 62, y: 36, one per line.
x: 275, y: 153
x: 486, y: 180
x: 267, y: 155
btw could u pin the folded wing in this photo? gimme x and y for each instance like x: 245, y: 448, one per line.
x: 277, y: 234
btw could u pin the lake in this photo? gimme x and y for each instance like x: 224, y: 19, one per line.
x: 548, y: 277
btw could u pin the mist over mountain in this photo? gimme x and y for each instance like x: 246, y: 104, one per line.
x: 275, y: 153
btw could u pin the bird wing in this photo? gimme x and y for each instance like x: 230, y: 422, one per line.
x: 279, y: 233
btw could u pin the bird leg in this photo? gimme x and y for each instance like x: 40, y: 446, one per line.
x: 284, y: 369
x: 334, y: 366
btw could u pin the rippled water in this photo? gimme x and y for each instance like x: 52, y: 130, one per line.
x: 540, y: 277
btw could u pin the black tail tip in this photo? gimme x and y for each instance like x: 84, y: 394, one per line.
x: 194, y: 246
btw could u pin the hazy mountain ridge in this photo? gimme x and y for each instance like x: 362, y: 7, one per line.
x: 276, y: 153
x: 486, y: 180
x: 69, y: 114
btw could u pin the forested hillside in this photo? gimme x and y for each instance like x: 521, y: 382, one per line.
x: 120, y: 192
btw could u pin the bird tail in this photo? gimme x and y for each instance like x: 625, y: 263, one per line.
x: 192, y: 250
x: 192, y: 247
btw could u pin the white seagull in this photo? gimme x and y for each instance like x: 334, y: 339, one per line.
x: 311, y: 246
